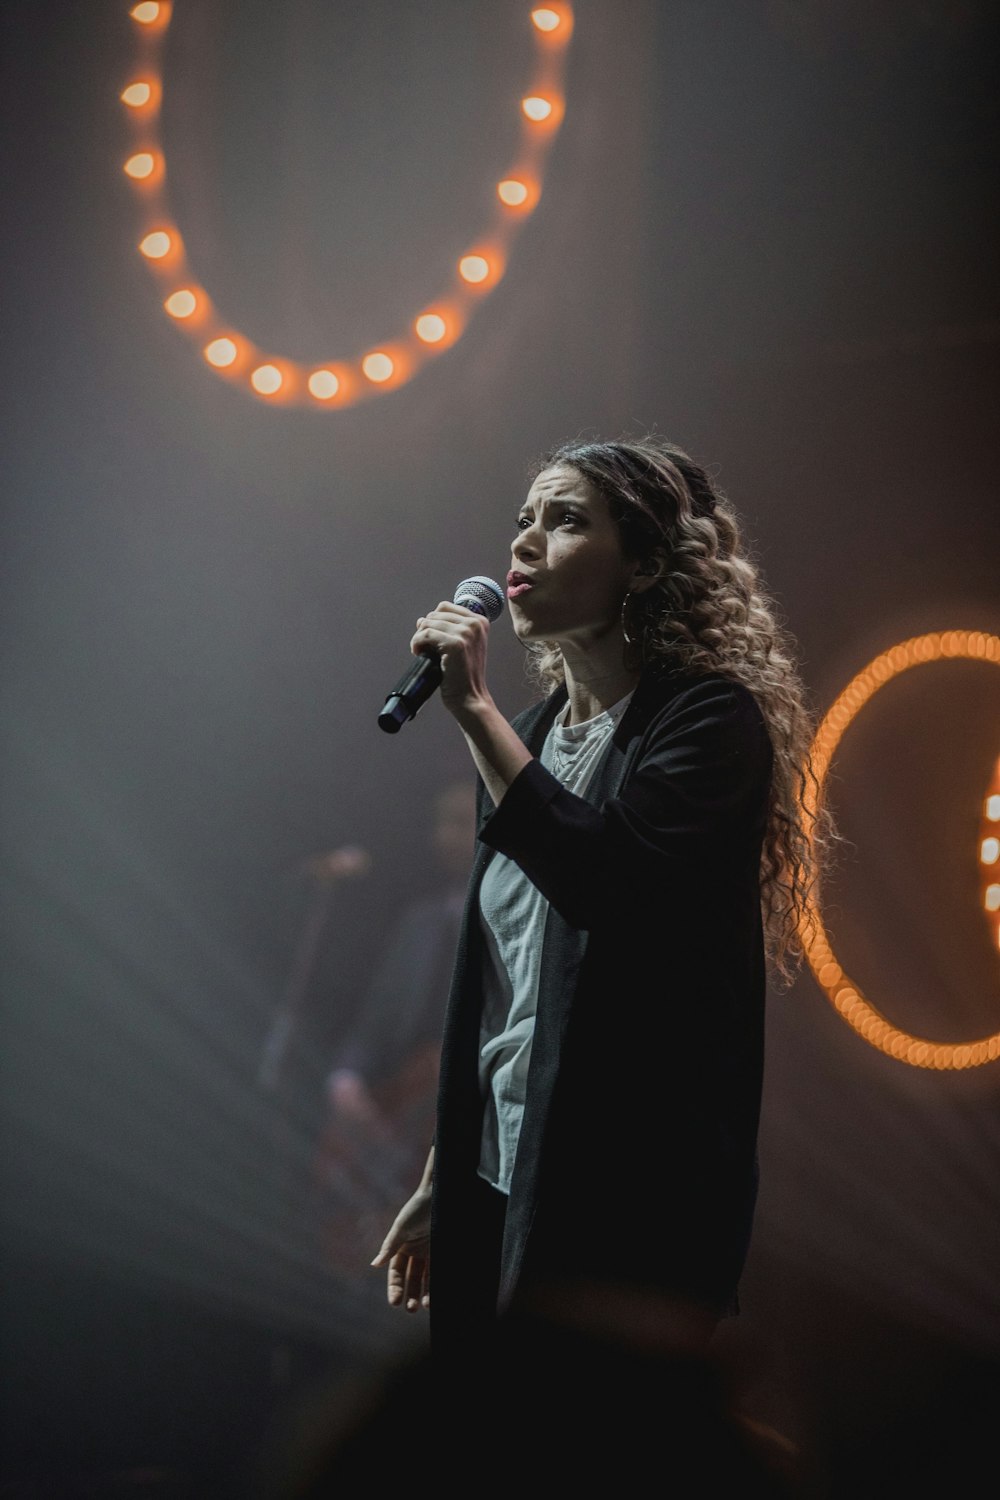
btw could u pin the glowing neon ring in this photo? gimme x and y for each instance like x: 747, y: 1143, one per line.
x: 334, y: 384
x: 843, y: 994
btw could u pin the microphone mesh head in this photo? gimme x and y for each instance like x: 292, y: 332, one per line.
x: 483, y: 595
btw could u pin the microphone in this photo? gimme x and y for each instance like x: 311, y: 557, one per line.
x: 422, y: 679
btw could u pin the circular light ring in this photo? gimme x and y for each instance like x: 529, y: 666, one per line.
x: 332, y: 383
x: 842, y: 992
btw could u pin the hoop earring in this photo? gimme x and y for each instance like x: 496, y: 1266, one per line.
x: 629, y: 640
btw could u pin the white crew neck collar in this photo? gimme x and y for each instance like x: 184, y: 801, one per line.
x: 581, y: 730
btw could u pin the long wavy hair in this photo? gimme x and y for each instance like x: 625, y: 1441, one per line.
x: 708, y: 611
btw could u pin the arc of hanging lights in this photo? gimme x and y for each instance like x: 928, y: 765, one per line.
x: 340, y: 381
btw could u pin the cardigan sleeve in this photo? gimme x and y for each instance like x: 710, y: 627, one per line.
x: 694, y: 801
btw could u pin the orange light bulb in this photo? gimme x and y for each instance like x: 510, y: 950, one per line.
x: 156, y: 245
x: 536, y: 108
x: 512, y: 192
x: 474, y: 268
x: 377, y: 366
x: 220, y: 353
x: 181, y: 304
x: 267, y: 379
x: 431, y: 328
x: 137, y: 94
x: 323, y: 384
x: 141, y: 165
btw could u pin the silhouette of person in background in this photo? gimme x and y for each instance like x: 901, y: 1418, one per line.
x: 382, y: 1082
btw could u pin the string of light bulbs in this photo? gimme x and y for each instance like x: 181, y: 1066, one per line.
x: 386, y: 365
x: 842, y: 992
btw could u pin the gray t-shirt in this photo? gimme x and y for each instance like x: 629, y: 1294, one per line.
x: 512, y: 914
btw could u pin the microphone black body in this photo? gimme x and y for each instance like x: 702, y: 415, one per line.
x: 423, y: 677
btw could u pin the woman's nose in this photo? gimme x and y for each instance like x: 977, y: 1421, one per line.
x: 525, y: 544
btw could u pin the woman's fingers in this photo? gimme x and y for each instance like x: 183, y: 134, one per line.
x: 408, y: 1284
x: 396, y: 1279
x: 447, y: 623
x: 410, y: 1289
x: 392, y: 1242
x: 406, y: 1252
x: 457, y: 637
x: 416, y: 1281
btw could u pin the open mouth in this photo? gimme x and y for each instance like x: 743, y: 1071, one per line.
x: 518, y: 583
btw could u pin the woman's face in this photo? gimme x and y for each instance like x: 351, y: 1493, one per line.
x: 568, y: 572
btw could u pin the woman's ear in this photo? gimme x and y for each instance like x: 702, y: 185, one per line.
x: 645, y: 574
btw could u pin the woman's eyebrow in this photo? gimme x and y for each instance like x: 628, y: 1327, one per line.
x: 569, y: 497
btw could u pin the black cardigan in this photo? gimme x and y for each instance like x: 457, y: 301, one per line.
x: 636, y: 1162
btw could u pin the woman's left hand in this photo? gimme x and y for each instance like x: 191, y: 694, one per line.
x: 458, y: 636
x: 406, y: 1252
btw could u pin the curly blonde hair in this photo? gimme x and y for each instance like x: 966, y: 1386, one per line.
x: 708, y: 611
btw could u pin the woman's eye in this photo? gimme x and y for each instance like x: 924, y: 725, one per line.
x: 572, y: 517
x: 522, y: 522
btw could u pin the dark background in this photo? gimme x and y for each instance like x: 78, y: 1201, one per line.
x: 768, y: 230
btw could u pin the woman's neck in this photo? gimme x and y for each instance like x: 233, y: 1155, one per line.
x: 596, y: 679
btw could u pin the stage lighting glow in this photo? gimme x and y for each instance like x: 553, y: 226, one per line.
x: 474, y: 268
x: 323, y: 384
x: 221, y: 353
x: 540, y: 110
x: 267, y: 380
x: 141, y: 165
x: 377, y: 367
x: 181, y: 304
x: 843, y: 994
x: 156, y: 245
x: 991, y: 900
x: 431, y: 328
x: 536, y: 108
x: 136, y: 95
x: 512, y: 192
x: 993, y: 808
